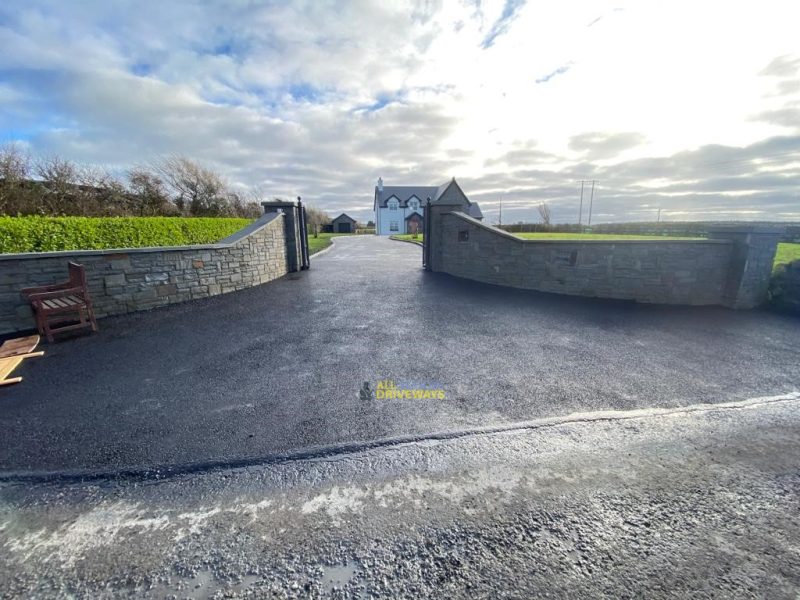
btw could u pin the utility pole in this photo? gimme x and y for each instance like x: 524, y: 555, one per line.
x: 659, y: 215
x: 580, y: 210
x: 500, y: 218
x: 591, y: 197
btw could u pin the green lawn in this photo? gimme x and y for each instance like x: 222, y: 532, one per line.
x: 569, y: 236
x: 315, y: 244
x: 408, y: 237
x: 597, y: 236
x: 787, y: 253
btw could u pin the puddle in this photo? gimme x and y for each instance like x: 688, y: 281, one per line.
x: 200, y: 587
x: 337, y: 575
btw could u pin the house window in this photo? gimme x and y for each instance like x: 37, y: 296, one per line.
x: 414, y: 204
x: 393, y: 205
x: 393, y: 226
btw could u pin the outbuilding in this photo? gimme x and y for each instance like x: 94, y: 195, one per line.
x: 343, y: 224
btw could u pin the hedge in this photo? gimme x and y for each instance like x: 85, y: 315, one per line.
x: 41, y: 234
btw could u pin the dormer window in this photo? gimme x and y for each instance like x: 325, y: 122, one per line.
x: 393, y: 204
x: 413, y: 204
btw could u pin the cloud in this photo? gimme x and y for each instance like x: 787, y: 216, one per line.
x: 783, y: 66
x: 605, y: 145
x: 785, y: 117
x: 320, y: 99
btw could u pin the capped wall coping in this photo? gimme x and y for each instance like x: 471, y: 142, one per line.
x: 268, y: 204
x: 228, y: 242
x: 511, y: 236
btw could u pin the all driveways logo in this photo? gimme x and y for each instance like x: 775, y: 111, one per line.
x: 389, y: 389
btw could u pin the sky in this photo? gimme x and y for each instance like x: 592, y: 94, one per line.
x: 691, y: 107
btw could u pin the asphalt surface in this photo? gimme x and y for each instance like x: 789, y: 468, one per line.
x: 686, y: 503
x: 278, y: 369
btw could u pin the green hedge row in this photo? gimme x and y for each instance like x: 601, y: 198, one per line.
x: 41, y: 234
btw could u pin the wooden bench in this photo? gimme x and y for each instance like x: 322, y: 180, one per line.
x: 65, y: 302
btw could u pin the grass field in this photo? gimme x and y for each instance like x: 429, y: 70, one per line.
x: 315, y: 244
x: 786, y: 252
x: 597, y: 236
x: 569, y: 236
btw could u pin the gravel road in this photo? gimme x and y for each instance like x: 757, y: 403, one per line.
x: 699, y: 501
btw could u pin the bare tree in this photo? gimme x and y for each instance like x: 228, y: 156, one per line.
x: 15, y: 171
x: 98, y: 192
x: 59, y: 178
x: 316, y: 219
x: 175, y: 185
x: 242, y: 204
x: 198, y: 191
x: 544, y: 213
x: 148, y: 194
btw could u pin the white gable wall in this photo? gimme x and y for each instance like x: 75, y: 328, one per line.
x: 386, y: 216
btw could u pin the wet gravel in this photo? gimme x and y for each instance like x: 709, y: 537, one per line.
x: 699, y: 503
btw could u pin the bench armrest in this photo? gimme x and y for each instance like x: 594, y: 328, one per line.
x: 38, y: 289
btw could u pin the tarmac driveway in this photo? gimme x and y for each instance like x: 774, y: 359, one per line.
x: 278, y: 369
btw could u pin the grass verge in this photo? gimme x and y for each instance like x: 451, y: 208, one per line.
x: 315, y: 244
x: 407, y: 237
x: 786, y: 253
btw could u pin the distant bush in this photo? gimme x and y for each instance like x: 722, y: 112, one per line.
x: 42, y: 234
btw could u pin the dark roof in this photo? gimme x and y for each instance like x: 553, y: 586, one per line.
x: 344, y: 216
x: 414, y: 214
x: 403, y: 193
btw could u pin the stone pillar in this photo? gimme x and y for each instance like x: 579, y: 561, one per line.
x: 433, y: 235
x: 291, y: 223
x: 750, y: 267
x: 434, y: 211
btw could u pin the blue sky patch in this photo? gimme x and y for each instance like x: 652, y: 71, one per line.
x: 510, y: 10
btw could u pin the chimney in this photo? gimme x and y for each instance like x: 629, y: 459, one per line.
x: 380, y: 184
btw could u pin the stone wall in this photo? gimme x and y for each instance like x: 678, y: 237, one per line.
x: 732, y: 269
x: 132, y: 279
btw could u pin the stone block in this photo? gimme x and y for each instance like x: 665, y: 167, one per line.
x: 167, y: 289
x: 24, y: 311
x: 116, y: 280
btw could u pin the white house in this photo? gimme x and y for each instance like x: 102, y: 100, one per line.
x: 401, y: 208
